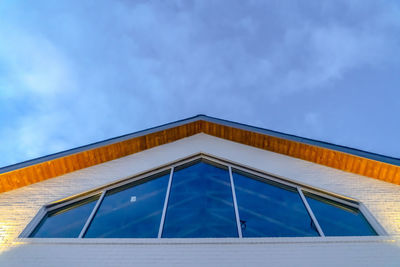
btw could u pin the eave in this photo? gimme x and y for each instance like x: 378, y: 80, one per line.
x: 343, y: 158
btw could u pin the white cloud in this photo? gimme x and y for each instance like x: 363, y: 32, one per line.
x: 35, y: 65
x: 127, y: 66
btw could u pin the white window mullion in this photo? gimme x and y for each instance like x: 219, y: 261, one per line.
x: 239, y: 226
x: 310, y: 212
x: 89, y: 220
x: 165, y: 203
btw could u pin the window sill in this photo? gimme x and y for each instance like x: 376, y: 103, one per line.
x: 190, y: 241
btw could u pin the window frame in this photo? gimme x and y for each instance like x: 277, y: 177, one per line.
x: 231, y: 166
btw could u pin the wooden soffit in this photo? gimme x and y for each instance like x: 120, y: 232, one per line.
x: 64, y: 164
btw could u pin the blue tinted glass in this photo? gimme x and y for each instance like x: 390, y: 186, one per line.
x: 67, y: 221
x: 266, y: 210
x: 131, y: 211
x: 337, y: 219
x: 200, y: 203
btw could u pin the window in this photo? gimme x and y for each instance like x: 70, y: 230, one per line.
x: 202, y: 197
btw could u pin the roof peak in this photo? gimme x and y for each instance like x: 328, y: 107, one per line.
x: 341, y: 148
x: 324, y: 153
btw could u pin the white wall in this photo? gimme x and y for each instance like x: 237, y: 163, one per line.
x: 19, y: 206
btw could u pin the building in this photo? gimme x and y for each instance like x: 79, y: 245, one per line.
x: 280, y: 206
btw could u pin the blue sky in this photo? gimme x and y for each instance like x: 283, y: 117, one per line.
x: 77, y: 72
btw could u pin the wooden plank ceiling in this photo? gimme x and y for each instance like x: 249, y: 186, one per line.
x: 324, y: 156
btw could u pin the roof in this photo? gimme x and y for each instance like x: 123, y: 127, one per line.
x: 340, y: 157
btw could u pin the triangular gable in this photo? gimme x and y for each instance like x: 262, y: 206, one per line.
x: 342, y: 158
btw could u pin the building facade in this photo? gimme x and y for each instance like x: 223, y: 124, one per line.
x: 369, y: 179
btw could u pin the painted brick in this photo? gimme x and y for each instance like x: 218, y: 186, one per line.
x: 382, y: 199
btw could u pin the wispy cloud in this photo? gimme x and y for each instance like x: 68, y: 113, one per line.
x: 72, y: 75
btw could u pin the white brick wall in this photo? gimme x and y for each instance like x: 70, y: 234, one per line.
x: 18, y: 207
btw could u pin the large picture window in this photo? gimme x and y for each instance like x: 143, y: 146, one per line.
x: 203, y: 197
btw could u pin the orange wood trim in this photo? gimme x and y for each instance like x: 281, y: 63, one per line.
x: 59, y: 166
x: 335, y: 159
x: 324, y: 156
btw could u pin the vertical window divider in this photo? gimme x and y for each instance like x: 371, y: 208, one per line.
x: 91, y: 216
x: 165, y: 204
x: 310, y: 212
x: 239, y: 228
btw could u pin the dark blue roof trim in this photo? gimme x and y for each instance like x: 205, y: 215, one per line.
x: 97, y: 144
x: 349, y: 150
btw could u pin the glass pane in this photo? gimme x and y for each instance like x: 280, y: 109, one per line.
x: 270, y: 210
x: 200, y: 203
x: 131, y: 211
x: 337, y: 219
x: 67, y: 221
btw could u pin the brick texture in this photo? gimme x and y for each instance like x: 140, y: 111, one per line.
x: 382, y: 199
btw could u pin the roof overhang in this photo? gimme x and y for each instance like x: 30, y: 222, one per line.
x: 339, y: 157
